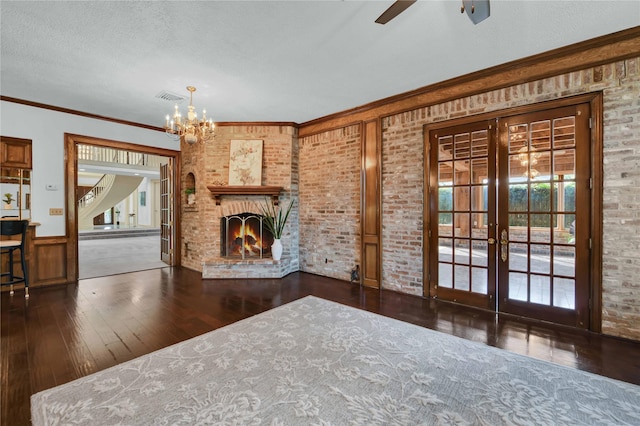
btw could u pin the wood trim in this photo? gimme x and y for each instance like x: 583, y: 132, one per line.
x: 218, y: 191
x: 71, y: 170
x: 132, y: 123
x: 257, y: 123
x: 597, y: 207
x: 371, y: 204
x: 79, y: 113
x: 50, y: 263
x: 601, y: 50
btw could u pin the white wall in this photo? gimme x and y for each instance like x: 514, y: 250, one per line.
x: 46, y: 129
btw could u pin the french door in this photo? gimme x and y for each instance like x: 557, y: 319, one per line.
x: 509, y: 214
x: 166, y: 214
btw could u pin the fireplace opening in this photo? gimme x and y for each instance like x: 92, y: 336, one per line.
x: 244, y: 236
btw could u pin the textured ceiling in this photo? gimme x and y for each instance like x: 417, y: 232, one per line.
x: 269, y: 60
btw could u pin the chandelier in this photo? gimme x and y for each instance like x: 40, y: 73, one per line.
x: 189, y: 128
x: 528, y: 160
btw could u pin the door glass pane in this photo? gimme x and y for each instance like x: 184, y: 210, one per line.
x: 478, y: 198
x: 564, y: 261
x: 463, y: 224
x: 518, y: 138
x: 445, y: 148
x: 479, y: 144
x: 445, y: 228
x: 518, y: 197
x: 445, y: 198
x: 479, y: 225
x: 540, y: 258
x: 564, y: 132
x: 479, y: 253
x: 517, y: 286
x: 564, y: 196
x: 462, y: 251
x: 519, y: 166
x: 479, y: 170
x: 518, y: 232
x: 569, y: 196
x: 479, y: 280
x: 570, y: 228
x: 461, y: 198
x: 518, y: 254
x: 461, y: 278
x: 564, y: 293
x: 540, y: 234
x: 445, y: 174
x: 540, y: 200
x: 540, y: 136
x: 564, y: 162
x: 540, y: 166
x: 445, y: 275
x: 462, y: 172
x: 444, y: 250
x: 540, y: 289
x: 462, y: 145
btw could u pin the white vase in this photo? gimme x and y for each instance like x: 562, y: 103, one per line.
x: 276, y: 249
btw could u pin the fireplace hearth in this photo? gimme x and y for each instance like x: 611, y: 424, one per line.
x: 244, y: 236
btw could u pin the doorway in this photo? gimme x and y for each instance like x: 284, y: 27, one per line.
x: 138, y: 214
x: 510, y: 214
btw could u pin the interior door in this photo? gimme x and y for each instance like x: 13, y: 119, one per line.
x: 166, y: 215
x: 544, y: 215
x: 463, y: 214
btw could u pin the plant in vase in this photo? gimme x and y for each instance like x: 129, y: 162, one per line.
x: 274, y: 219
x: 191, y: 195
x: 8, y: 199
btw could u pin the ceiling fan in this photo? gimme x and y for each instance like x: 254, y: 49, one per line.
x: 477, y: 10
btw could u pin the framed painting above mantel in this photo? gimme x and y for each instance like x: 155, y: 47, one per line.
x: 245, y: 162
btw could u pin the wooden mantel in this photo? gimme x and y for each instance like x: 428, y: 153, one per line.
x: 219, y: 190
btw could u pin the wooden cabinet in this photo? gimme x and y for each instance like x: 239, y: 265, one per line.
x: 15, y: 176
x: 15, y: 152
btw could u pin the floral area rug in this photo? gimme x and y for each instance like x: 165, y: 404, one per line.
x: 321, y: 363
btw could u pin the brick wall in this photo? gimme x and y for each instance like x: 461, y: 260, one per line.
x: 402, y: 201
x: 621, y: 200
x: 192, y: 222
x: 330, y: 202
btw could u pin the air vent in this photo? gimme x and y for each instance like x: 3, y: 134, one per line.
x: 171, y: 97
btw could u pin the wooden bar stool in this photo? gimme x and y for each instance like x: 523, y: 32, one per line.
x: 12, y: 228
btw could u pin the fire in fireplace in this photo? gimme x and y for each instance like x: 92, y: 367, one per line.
x: 243, y: 235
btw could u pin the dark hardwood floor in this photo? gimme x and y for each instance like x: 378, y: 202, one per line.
x: 66, y: 332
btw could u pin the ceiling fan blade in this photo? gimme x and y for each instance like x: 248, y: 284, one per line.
x: 477, y: 10
x: 394, y: 10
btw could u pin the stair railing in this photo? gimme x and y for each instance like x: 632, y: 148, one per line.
x: 105, y: 182
x: 104, y: 154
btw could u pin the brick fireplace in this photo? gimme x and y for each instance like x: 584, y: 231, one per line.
x: 251, y: 260
x: 208, y: 164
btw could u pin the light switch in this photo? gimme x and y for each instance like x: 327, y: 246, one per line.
x: 55, y: 212
x: 51, y: 187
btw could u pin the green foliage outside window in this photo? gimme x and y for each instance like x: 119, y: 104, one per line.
x: 518, y: 194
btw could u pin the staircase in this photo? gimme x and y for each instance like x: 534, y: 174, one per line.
x: 109, y: 191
